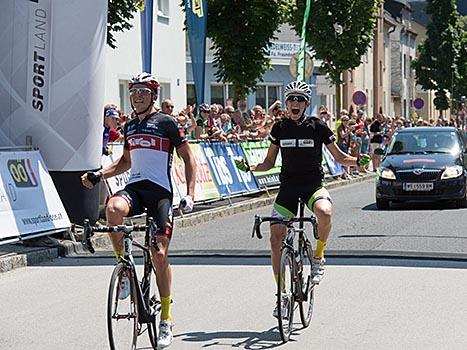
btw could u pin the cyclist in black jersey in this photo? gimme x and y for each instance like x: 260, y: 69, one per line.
x: 299, y: 139
x: 150, y: 139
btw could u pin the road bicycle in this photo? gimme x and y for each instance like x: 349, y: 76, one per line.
x: 295, y: 271
x: 131, y: 316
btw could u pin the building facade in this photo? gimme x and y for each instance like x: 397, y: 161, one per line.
x: 168, y: 57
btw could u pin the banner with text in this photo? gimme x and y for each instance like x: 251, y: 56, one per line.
x: 255, y: 153
x: 221, y: 160
x: 330, y: 164
x: 29, y: 203
x: 205, y: 186
x: 118, y: 182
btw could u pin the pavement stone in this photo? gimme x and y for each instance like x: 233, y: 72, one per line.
x: 32, y: 252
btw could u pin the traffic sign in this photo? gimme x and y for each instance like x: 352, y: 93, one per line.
x: 418, y: 103
x: 359, y: 98
x: 293, y: 65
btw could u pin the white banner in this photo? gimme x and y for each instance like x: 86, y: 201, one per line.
x: 115, y: 183
x: 29, y: 203
x: 52, y: 79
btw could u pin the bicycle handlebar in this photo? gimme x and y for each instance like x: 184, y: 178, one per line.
x: 89, y: 232
x: 284, y: 221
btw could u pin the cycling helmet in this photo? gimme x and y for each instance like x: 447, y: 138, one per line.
x: 205, y: 108
x: 145, y: 79
x: 298, y: 88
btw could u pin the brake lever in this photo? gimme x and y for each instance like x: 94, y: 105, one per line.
x: 256, y: 227
x: 87, y: 234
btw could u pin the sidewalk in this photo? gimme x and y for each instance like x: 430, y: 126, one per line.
x: 35, y: 251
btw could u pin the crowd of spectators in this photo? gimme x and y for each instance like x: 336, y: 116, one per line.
x: 355, y: 132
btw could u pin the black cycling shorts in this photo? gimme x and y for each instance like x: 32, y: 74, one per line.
x: 286, y: 203
x: 156, y: 199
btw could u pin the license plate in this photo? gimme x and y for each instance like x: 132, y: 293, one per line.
x: 418, y: 186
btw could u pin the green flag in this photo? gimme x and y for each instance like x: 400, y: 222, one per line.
x: 301, y: 55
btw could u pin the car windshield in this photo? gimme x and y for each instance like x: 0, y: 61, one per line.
x: 424, y: 142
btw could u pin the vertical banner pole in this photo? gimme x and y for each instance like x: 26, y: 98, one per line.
x: 301, y: 56
x: 146, y: 35
x: 197, y: 19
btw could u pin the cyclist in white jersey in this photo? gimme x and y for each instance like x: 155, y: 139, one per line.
x: 150, y: 139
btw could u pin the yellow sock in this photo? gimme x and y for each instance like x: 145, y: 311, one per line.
x: 319, y: 252
x: 165, y: 308
x: 119, y: 253
x: 276, y: 277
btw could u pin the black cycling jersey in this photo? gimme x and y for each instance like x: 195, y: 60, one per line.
x: 151, y: 142
x: 301, y: 148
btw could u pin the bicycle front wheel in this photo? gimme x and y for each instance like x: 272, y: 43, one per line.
x: 151, y: 300
x: 285, y: 294
x: 308, y: 292
x: 122, y: 310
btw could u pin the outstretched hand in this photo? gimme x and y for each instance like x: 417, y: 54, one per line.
x: 242, y: 164
x: 363, y: 160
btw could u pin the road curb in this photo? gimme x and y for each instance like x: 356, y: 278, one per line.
x: 39, y: 255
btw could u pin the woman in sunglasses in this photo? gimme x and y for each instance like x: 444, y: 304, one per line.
x: 150, y: 139
x: 300, y: 139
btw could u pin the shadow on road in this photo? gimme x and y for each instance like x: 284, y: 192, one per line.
x: 411, y: 205
x: 104, y: 259
x: 248, y: 340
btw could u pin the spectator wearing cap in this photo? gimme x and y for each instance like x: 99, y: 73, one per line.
x: 110, y: 134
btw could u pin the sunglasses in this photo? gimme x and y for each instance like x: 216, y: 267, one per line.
x: 171, y: 107
x: 297, y: 98
x: 140, y: 91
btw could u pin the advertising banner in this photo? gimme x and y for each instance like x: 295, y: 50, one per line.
x: 331, y: 164
x: 205, y: 186
x: 115, y: 183
x: 29, y: 203
x: 196, y: 20
x: 255, y: 152
x: 52, y: 79
x: 229, y: 180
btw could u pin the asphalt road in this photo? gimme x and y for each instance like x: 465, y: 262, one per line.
x: 226, y: 302
x: 433, y: 229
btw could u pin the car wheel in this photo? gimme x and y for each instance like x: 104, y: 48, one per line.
x: 382, y: 204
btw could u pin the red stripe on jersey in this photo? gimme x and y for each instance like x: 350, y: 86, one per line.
x: 142, y: 141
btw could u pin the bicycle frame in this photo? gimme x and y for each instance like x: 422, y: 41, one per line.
x: 288, y: 242
x: 142, y: 289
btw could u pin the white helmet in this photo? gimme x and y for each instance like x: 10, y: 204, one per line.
x: 298, y: 88
x: 144, y: 79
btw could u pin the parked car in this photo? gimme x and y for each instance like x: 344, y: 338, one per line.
x: 423, y: 163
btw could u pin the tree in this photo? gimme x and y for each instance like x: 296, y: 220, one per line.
x: 119, y: 16
x: 339, y: 32
x: 241, y: 31
x: 437, y: 66
x: 461, y: 86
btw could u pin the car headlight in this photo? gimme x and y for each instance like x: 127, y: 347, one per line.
x: 386, y: 173
x: 452, y: 172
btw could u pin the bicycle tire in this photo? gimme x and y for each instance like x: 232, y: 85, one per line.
x: 308, y: 291
x: 153, y: 304
x: 122, y: 312
x: 285, y: 294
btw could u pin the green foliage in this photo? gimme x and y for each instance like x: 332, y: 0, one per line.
x: 339, y: 51
x: 241, y: 31
x: 438, y: 64
x: 119, y: 16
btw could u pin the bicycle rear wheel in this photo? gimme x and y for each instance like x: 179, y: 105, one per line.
x: 122, y: 313
x: 285, y: 294
x: 308, y: 292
